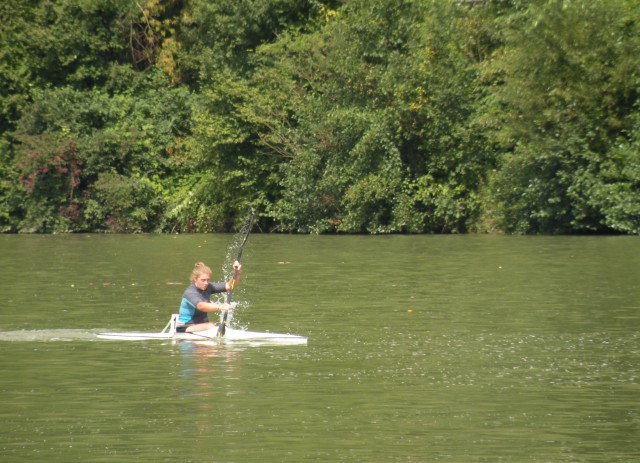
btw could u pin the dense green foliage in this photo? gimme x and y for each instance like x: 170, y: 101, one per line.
x: 354, y: 116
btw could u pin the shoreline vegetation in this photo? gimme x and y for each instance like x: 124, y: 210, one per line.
x: 325, y: 116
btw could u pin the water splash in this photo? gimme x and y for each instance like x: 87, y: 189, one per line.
x: 52, y: 335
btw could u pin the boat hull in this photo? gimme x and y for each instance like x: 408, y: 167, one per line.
x: 231, y: 334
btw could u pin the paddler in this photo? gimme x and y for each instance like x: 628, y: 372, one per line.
x: 196, y: 299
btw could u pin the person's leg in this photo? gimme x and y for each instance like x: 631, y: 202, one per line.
x: 200, y: 327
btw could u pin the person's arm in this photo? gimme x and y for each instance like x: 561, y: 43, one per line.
x: 212, y: 306
x: 233, y: 282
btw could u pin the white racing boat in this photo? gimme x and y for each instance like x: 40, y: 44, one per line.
x: 231, y: 334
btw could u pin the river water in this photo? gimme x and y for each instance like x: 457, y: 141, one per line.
x: 421, y: 349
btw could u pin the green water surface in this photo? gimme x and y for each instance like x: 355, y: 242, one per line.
x: 421, y: 349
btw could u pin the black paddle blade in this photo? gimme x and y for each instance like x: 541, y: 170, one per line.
x: 222, y: 327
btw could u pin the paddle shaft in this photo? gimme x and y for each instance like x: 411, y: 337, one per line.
x: 223, y: 325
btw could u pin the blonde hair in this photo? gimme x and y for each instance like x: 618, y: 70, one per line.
x: 199, y: 269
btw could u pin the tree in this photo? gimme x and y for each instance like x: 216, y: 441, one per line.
x: 566, y: 97
x: 380, y: 137
x: 222, y: 35
x: 77, y: 151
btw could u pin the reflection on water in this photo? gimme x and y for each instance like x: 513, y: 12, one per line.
x: 421, y: 349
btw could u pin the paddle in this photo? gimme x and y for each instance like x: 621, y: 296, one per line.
x: 223, y: 324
